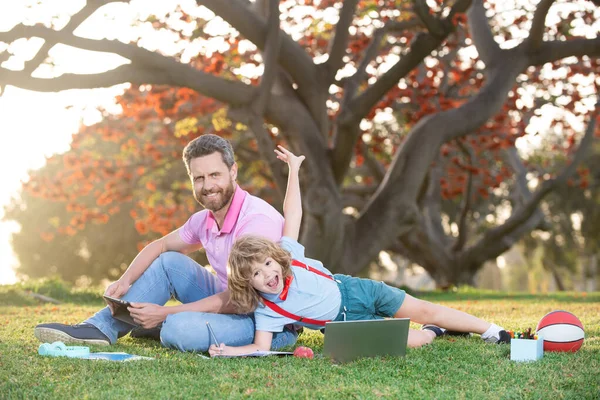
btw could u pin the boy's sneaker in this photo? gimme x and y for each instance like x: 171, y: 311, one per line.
x: 502, y: 338
x: 435, y: 329
x: 445, y: 332
x: 70, y: 334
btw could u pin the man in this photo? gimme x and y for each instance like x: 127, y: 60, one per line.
x: 162, y: 269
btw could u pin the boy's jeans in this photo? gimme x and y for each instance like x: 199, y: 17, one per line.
x: 176, y: 274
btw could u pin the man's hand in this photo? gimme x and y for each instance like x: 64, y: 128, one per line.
x: 116, y: 289
x: 147, y: 315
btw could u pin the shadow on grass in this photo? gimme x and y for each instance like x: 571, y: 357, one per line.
x: 32, y: 292
x: 474, y: 294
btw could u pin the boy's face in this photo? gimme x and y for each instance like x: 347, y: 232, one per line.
x: 267, y: 276
x: 213, y: 181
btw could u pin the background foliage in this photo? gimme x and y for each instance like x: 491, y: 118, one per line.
x: 433, y: 130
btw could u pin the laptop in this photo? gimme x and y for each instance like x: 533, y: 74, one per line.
x: 348, y: 340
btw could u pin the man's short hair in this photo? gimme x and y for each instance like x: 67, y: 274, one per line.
x: 206, y: 145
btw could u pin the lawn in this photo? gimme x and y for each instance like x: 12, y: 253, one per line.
x: 450, y: 368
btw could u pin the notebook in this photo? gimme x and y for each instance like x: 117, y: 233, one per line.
x: 348, y: 340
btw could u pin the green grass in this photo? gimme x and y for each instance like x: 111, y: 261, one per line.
x: 450, y: 368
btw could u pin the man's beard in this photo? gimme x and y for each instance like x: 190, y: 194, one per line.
x: 217, y: 203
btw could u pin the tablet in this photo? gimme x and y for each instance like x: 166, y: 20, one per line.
x: 120, y: 309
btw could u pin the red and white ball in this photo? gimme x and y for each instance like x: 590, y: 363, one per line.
x: 561, y: 330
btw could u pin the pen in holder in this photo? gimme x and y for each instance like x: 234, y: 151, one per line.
x: 526, y: 347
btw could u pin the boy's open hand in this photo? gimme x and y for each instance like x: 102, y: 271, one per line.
x: 293, y: 161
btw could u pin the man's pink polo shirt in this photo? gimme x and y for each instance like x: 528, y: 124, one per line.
x: 247, y: 214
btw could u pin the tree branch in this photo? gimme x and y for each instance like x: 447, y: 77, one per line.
x: 404, y: 179
x: 352, y: 83
x: 523, y: 193
x: 446, y: 60
x: 146, y: 67
x: 129, y: 51
x: 352, y: 200
x: 265, y: 144
x: 292, y: 57
x: 376, y: 168
x: 271, y: 54
x: 497, y: 240
x: 220, y: 89
x: 399, y: 26
x: 339, y: 43
x: 538, y: 24
x: 359, y: 107
x: 481, y: 34
x: 360, y: 189
x: 556, y: 50
x: 466, y: 204
x: 433, y: 25
x: 74, y: 22
x: 432, y: 213
x: 347, y: 125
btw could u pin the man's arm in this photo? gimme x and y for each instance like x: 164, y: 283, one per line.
x: 149, y: 315
x: 217, y: 303
x: 292, y: 204
x: 170, y: 242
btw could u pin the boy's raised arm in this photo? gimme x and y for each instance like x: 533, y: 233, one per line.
x: 292, y: 204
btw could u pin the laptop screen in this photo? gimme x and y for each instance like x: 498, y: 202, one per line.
x: 348, y: 340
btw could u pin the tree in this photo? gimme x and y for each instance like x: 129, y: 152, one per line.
x: 102, y: 248
x: 97, y: 219
x: 570, y: 247
x: 366, y: 190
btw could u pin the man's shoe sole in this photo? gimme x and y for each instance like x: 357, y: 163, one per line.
x: 49, y: 335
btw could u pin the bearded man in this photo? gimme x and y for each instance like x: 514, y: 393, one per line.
x: 163, y: 270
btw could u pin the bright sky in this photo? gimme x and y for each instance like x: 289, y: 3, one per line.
x: 36, y: 125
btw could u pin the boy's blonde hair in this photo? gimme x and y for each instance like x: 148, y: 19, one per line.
x: 247, y: 250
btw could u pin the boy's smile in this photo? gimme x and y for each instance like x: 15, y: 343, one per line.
x: 267, y: 276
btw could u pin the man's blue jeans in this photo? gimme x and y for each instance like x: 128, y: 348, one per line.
x: 174, y: 274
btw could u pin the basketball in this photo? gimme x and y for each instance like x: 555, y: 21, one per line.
x: 561, y: 330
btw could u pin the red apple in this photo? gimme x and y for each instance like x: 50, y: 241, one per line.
x: 303, y: 352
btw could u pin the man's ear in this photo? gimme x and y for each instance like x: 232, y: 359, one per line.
x: 233, y: 171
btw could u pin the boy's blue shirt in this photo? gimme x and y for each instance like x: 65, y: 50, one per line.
x: 310, y: 295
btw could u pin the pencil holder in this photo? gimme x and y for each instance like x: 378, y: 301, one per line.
x: 526, y: 349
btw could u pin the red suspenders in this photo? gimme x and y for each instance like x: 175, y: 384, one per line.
x: 295, y: 317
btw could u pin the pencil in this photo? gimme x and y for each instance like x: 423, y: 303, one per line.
x: 212, y: 333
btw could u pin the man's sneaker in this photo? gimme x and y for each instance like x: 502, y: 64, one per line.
x: 70, y: 334
x: 503, y: 338
x: 143, y: 333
